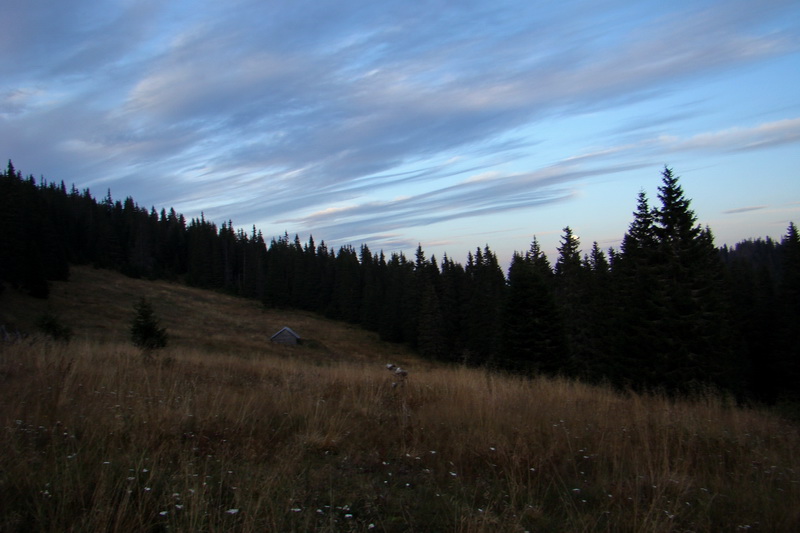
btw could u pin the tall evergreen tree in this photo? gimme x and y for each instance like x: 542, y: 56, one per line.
x: 430, y: 333
x: 347, y: 289
x: 486, y: 295
x: 676, y: 309
x: 787, y: 364
x: 279, y: 275
x: 638, y: 303
x: 423, y: 296
x: 32, y: 248
x: 571, y: 288
x: 598, y: 351
x: 454, y: 302
x: 694, y: 326
x: 533, y: 336
x: 397, y: 323
x: 640, y: 239
x: 373, y: 290
x: 754, y: 315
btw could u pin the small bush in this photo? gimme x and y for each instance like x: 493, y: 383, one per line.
x: 51, y: 325
x: 146, y: 332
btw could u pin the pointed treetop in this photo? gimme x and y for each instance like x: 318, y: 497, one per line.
x: 569, y: 257
x: 640, y: 233
x: 596, y: 260
x: 791, y: 237
x: 420, y: 257
x: 535, y: 249
x: 537, y: 257
x: 675, y: 221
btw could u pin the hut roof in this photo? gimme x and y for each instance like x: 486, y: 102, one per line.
x: 287, y: 329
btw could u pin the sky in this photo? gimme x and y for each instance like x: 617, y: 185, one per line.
x: 450, y: 125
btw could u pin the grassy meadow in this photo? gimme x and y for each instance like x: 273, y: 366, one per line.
x: 222, y: 431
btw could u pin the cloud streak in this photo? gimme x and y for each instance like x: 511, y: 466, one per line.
x: 738, y: 139
x: 739, y: 210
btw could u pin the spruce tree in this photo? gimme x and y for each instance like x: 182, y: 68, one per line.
x: 695, y: 325
x: 533, y: 337
x: 519, y: 352
x: 347, y: 288
x: 430, y: 333
x: 32, y: 247
x: 539, y: 260
x: 453, y: 302
x: 486, y: 288
x: 571, y: 285
x: 373, y: 295
x: 674, y: 319
x: 146, y: 332
x: 569, y: 257
x: 637, y: 302
x: 787, y: 365
x: 598, y: 310
x: 396, y: 324
x: 640, y: 238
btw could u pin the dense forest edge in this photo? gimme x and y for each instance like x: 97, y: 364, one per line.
x: 667, y: 311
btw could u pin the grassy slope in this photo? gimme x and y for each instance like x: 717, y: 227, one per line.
x: 98, y: 305
x: 224, y: 431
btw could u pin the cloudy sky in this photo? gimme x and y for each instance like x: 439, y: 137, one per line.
x: 392, y: 123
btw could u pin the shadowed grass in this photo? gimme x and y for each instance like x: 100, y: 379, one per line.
x: 98, y: 440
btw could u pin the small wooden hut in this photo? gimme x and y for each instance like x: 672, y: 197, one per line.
x: 286, y: 336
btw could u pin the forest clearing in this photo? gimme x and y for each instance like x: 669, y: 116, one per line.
x: 223, y: 431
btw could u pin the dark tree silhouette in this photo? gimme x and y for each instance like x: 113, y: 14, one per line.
x: 146, y: 331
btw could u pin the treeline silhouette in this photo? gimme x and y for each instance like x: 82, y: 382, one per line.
x: 667, y: 311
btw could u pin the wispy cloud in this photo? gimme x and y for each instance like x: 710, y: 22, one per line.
x: 468, y: 199
x: 740, y: 138
x: 744, y: 209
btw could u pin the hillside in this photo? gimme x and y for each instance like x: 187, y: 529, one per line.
x: 98, y: 306
x: 223, y: 431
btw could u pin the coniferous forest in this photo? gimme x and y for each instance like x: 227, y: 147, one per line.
x: 667, y: 311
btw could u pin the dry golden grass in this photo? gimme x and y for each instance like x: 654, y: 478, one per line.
x: 98, y: 305
x: 237, y: 435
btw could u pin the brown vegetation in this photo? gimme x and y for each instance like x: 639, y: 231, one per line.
x: 225, y: 432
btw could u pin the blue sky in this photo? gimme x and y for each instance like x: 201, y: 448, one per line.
x: 393, y: 123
